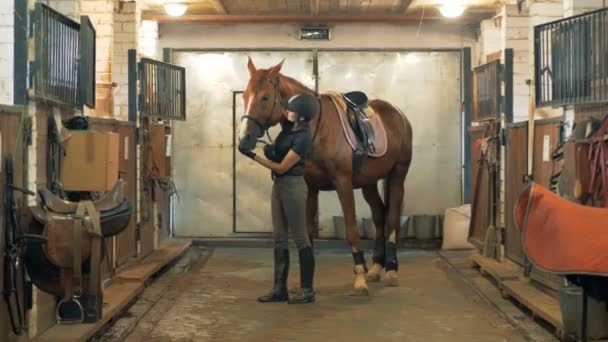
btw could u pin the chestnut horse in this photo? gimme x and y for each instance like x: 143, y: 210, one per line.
x: 329, y: 166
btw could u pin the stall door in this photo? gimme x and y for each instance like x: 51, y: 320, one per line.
x: 515, y: 168
x: 480, y: 183
x: 426, y: 87
x: 221, y: 192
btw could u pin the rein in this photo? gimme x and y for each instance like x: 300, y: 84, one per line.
x: 314, y: 136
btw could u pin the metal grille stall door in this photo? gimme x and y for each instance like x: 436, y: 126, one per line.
x: 546, y: 137
x: 211, y: 177
x: 487, y: 94
x: 56, y: 65
x: 163, y: 90
x: 64, y: 66
x: 86, y: 72
x: 426, y: 87
x: 570, y: 60
x: 516, y: 157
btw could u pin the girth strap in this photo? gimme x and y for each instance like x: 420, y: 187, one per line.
x: 87, y: 207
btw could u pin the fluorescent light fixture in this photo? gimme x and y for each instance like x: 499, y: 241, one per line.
x: 175, y: 9
x: 452, y: 9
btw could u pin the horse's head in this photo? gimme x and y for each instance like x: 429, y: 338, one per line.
x: 262, y: 104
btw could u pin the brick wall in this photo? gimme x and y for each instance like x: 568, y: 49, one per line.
x: 515, y: 28
x: 125, y: 38
x: 101, y: 14
x: 147, y: 44
x: 574, y: 7
x: 69, y: 8
x: 6, y: 51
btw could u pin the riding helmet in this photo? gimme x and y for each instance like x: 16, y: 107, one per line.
x: 305, y: 105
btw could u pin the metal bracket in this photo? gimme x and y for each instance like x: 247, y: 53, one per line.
x: 27, y: 131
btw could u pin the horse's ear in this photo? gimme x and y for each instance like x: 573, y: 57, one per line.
x: 250, y: 66
x: 275, y: 69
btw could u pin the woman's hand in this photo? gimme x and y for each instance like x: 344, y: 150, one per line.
x: 280, y: 168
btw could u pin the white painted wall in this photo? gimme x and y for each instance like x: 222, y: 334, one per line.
x: 6, y: 51
x: 432, y: 35
x: 490, y: 39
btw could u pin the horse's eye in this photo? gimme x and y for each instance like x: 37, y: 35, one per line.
x: 264, y: 98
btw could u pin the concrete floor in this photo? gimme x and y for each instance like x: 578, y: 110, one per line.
x: 215, y: 301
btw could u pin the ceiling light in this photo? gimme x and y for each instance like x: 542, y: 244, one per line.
x: 412, y: 59
x: 175, y: 9
x: 452, y: 10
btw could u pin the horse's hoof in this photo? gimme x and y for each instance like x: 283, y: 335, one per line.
x: 361, y: 291
x: 391, y: 279
x: 373, y: 275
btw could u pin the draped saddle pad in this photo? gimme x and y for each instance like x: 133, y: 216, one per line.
x: 380, y: 138
x: 560, y: 236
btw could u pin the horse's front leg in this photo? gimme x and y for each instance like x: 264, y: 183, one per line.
x: 344, y: 188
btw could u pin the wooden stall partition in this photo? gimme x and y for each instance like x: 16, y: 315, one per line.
x: 516, y: 167
x: 154, y: 167
x: 546, y: 138
x: 11, y: 141
x: 108, y: 265
x: 479, y: 196
x: 126, y: 242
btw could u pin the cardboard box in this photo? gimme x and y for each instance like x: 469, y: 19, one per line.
x: 91, y: 161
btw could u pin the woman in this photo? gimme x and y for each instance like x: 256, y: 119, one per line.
x: 285, y: 157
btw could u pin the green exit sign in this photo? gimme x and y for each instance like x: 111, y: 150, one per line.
x: 315, y: 33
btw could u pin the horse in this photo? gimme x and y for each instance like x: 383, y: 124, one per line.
x: 330, y: 168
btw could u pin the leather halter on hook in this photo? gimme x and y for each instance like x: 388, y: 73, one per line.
x: 264, y: 126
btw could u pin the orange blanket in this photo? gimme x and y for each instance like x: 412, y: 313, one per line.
x: 561, y: 236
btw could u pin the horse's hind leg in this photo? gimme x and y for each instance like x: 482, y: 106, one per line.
x: 395, y: 187
x: 344, y: 188
x: 372, y: 197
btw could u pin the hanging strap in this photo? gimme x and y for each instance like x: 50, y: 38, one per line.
x: 83, y: 208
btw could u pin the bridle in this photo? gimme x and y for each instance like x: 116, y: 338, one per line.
x: 263, y: 126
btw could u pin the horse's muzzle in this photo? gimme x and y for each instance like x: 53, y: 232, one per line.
x: 247, y: 143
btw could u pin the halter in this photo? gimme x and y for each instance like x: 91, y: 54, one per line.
x: 264, y: 126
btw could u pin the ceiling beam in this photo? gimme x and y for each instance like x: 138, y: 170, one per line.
x: 405, y: 5
x: 315, y: 5
x: 219, y: 7
x: 261, y: 19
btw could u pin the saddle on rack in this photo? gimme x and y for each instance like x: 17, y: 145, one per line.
x: 75, y: 232
x: 563, y: 237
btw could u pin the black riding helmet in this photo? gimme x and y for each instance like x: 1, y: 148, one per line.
x: 305, y: 105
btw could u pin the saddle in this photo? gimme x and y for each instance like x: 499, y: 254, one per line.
x: 583, y: 177
x: 564, y: 237
x: 74, y: 233
x: 362, y: 126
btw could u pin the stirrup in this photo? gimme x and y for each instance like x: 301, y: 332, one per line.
x: 61, y: 320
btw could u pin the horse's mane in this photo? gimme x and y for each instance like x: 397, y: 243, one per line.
x: 293, y: 86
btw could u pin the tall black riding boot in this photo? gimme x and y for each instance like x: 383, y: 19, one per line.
x: 306, y: 293
x: 281, y: 270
